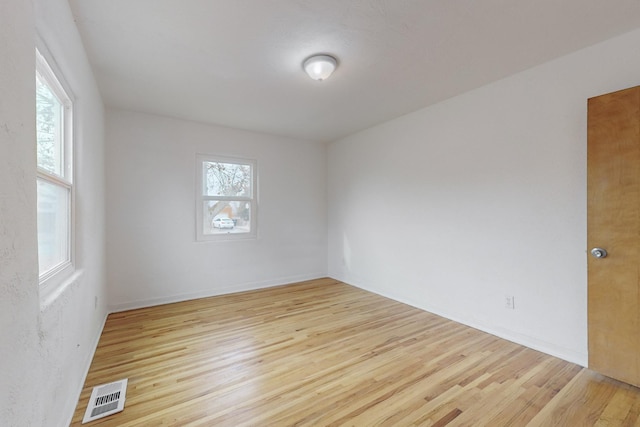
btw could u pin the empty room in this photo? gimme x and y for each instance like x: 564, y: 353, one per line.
x: 314, y: 213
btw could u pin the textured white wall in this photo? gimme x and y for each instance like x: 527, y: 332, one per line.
x: 152, y: 255
x: 455, y: 206
x: 21, y: 361
x: 46, y: 345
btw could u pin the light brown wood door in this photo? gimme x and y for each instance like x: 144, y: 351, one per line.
x: 613, y: 217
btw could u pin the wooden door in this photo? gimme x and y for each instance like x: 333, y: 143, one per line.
x: 613, y: 217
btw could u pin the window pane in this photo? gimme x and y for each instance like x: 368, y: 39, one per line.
x: 227, y: 179
x: 49, y: 125
x: 224, y: 217
x: 53, y: 225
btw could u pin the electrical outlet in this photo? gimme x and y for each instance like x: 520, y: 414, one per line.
x: 95, y: 302
x: 510, y: 302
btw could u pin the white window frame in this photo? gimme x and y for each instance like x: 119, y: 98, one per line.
x: 48, y: 73
x: 201, y: 198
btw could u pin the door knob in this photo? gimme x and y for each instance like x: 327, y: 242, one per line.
x: 598, y: 253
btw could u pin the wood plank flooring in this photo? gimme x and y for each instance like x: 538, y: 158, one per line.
x: 323, y: 353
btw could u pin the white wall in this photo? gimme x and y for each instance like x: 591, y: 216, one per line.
x: 152, y: 254
x: 46, y: 344
x: 455, y: 206
x: 18, y: 248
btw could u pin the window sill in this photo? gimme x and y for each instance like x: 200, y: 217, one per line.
x: 56, y: 285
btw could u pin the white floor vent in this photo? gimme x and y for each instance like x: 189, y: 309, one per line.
x: 106, y: 399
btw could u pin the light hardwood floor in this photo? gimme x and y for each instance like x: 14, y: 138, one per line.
x: 323, y: 353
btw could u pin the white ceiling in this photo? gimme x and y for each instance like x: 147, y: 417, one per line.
x: 238, y: 62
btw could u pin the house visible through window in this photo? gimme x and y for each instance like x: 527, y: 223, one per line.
x: 226, y: 202
x: 54, y: 150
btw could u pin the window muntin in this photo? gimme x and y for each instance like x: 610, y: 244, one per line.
x: 226, y: 198
x: 54, y: 149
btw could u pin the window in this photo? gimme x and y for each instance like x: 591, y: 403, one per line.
x: 226, y: 200
x: 54, y: 149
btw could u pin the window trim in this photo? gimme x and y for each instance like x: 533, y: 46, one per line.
x: 48, y: 71
x: 201, y: 198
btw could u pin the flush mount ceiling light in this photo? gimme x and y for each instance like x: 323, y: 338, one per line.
x: 319, y: 67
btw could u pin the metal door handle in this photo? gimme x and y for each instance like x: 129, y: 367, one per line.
x: 598, y: 253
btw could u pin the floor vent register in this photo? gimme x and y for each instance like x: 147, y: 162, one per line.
x: 106, y: 399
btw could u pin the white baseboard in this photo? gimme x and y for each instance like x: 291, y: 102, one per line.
x: 525, y: 340
x: 533, y: 343
x: 87, y: 366
x: 177, y: 298
x: 242, y: 287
